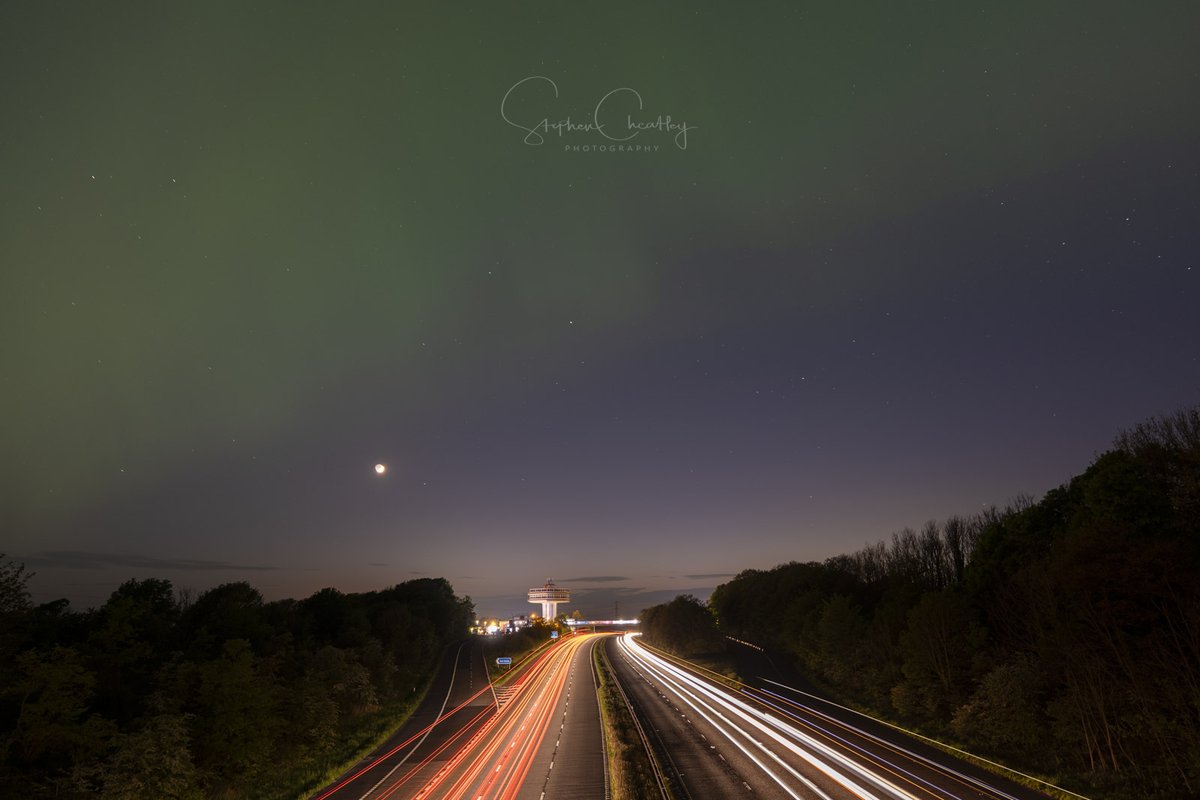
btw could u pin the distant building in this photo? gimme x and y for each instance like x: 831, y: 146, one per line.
x: 495, y: 626
x: 549, y: 596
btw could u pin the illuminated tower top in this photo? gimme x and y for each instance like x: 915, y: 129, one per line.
x: 549, y: 596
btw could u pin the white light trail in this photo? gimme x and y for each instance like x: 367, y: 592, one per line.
x: 915, y: 757
x: 720, y: 702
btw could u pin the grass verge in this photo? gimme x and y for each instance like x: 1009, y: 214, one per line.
x: 521, y: 647
x: 632, y: 775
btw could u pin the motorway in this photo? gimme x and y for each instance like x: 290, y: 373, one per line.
x: 458, y: 703
x: 537, y: 736
x: 775, y: 742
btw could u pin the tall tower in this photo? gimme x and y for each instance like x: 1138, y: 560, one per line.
x: 549, y: 596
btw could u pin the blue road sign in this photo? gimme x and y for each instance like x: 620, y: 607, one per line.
x: 503, y: 661
x: 553, y: 634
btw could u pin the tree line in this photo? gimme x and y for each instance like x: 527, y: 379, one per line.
x: 154, y: 695
x: 1060, y: 636
x: 684, y: 626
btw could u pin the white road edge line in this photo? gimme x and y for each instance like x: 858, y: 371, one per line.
x: 441, y: 711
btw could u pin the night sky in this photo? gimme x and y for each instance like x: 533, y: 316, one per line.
x: 914, y: 260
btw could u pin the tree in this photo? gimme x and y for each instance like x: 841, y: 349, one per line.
x: 331, y: 617
x: 226, y: 612
x: 149, y: 696
x: 683, y: 626
x: 235, y: 722
x: 14, y: 608
x: 14, y: 587
x: 938, y: 647
x: 956, y: 536
x: 348, y: 681
x: 134, y: 631
x: 154, y: 762
x: 313, y: 718
x: 1005, y: 712
x: 54, y: 729
x: 841, y: 632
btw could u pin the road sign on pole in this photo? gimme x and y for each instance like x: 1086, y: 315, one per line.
x: 503, y: 661
x: 553, y: 634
